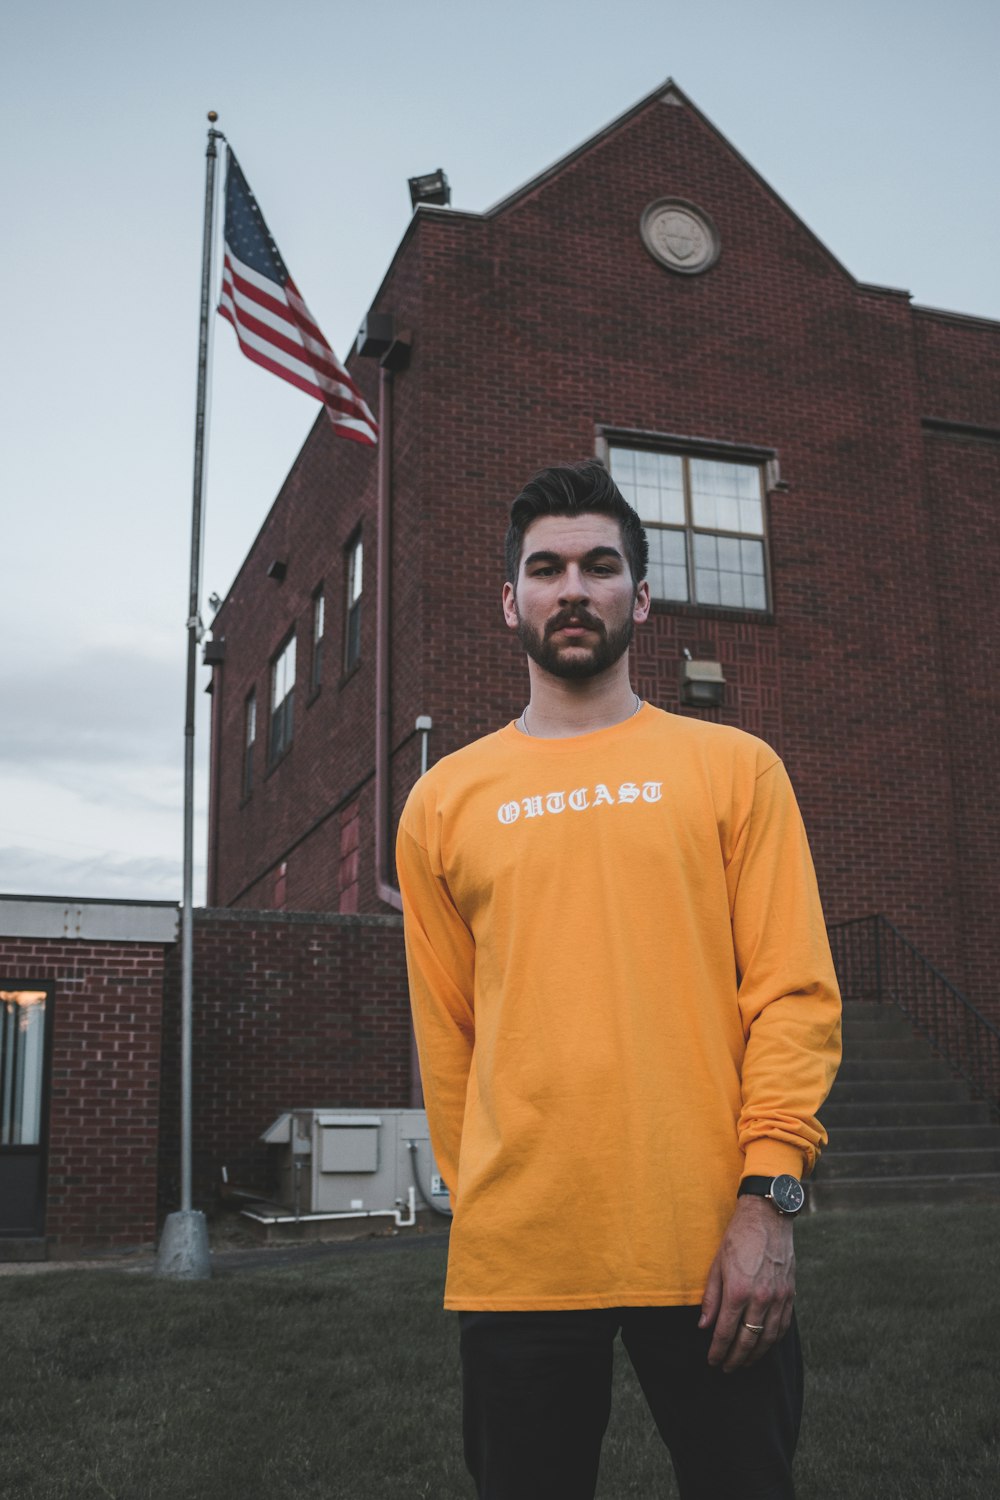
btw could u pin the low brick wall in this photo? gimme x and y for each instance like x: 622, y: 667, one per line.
x: 291, y: 1010
x: 105, y: 1085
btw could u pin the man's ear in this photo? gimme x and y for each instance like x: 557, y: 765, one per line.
x: 510, y: 606
x: 640, y: 609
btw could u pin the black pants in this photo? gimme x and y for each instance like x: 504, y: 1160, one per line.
x: 537, y: 1397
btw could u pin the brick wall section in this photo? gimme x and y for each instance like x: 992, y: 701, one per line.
x: 963, y: 488
x: 104, y: 1116
x: 537, y: 326
x: 290, y: 1011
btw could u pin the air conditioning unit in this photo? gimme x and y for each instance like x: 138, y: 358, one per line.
x: 354, y: 1163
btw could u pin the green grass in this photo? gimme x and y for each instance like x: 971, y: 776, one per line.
x: 339, y: 1378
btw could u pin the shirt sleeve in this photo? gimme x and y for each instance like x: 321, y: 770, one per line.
x: 788, y: 994
x: 440, y: 959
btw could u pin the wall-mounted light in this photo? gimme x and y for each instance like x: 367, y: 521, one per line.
x: 431, y: 188
x: 702, y: 683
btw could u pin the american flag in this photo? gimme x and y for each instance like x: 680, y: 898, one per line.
x: 274, y: 326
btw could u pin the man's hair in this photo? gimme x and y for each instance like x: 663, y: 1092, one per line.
x: 575, y: 490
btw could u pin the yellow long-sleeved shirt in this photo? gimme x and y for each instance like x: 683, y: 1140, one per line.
x: 623, y: 1000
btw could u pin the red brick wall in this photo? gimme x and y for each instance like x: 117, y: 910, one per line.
x: 105, y: 1088
x: 290, y: 1011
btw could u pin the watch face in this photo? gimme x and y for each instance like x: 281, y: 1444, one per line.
x: 788, y: 1194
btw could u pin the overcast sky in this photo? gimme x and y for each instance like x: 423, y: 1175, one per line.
x: 878, y: 121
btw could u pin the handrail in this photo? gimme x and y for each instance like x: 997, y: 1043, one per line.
x: 877, y: 963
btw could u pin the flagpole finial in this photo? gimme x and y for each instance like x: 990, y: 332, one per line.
x: 212, y: 116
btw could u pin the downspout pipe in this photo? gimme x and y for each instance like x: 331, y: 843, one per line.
x: 383, y: 607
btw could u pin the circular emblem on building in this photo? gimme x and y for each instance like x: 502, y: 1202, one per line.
x: 680, y: 236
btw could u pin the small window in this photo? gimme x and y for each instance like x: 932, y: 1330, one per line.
x: 249, y: 737
x: 319, y: 615
x: 22, y: 1051
x: 352, y: 633
x: 704, y: 518
x: 282, y: 700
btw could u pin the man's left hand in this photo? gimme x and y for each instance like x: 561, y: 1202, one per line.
x: 752, y: 1281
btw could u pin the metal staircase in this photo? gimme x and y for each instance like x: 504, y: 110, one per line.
x: 914, y: 1115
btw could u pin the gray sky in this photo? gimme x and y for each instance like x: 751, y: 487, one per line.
x: 876, y: 120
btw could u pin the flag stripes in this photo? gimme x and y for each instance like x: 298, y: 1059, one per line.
x: 273, y: 325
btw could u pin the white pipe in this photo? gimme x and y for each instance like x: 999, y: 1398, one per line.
x: 358, y: 1213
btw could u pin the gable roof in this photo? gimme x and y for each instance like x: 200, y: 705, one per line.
x: 666, y: 93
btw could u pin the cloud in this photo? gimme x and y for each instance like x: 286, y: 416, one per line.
x: 107, y: 876
x: 104, y: 706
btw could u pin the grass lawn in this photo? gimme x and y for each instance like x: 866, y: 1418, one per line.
x: 338, y: 1378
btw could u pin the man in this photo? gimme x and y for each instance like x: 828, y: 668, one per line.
x: 627, y: 1015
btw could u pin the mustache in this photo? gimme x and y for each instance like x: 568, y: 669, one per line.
x: 574, y: 616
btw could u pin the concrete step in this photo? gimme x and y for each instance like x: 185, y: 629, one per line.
x: 890, y: 1070
x: 925, y: 1137
x: 22, y: 1247
x: 874, y: 1011
x: 875, y: 1048
x: 838, y: 1116
x: 900, y: 1091
x: 847, y: 1193
x: 922, y: 1162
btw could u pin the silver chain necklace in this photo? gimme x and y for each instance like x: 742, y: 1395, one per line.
x: 522, y: 722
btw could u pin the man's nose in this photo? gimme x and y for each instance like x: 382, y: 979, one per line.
x: 574, y: 587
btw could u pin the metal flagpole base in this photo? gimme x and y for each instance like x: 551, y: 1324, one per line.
x: 183, y: 1250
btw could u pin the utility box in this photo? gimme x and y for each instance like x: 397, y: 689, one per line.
x: 355, y: 1161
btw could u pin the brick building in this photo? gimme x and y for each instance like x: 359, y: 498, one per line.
x: 818, y: 462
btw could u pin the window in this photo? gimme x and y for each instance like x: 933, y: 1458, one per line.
x: 282, y: 700
x: 319, y: 615
x: 249, y: 736
x: 705, y: 521
x: 22, y: 1048
x: 352, y: 632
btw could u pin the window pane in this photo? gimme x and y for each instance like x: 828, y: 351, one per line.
x: 751, y: 516
x: 752, y: 557
x: 754, y: 595
x: 720, y: 491
x: 667, y: 565
x: 355, y: 573
x: 651, y: 482
x: 730, y: 572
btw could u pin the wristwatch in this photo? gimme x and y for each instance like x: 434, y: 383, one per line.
x: 785, y: 1192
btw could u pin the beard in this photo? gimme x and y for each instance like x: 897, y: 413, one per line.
x: 610, y: 648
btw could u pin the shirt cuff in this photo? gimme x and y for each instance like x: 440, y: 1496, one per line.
x: 767, y: 1158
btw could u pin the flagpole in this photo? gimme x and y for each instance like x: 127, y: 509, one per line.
x: 183, y: 1250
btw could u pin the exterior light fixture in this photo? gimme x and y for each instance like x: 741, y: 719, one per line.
x: 702, y: 683
x: 431, y: 188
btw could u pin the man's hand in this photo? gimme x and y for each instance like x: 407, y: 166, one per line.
x: 752, y: 1280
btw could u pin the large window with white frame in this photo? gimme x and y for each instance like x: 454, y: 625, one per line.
x: 704, y: 517
x: 282, y: 701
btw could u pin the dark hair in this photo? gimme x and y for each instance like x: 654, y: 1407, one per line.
x: 573, y: 490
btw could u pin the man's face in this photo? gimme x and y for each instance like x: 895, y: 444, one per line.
x: 574, y: 605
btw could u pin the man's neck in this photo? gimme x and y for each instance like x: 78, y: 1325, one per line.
x: 560, y: 708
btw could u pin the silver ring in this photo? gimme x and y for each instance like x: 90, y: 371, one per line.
x: 755, y: 1328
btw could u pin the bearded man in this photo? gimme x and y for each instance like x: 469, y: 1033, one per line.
x: 627, y: 1018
